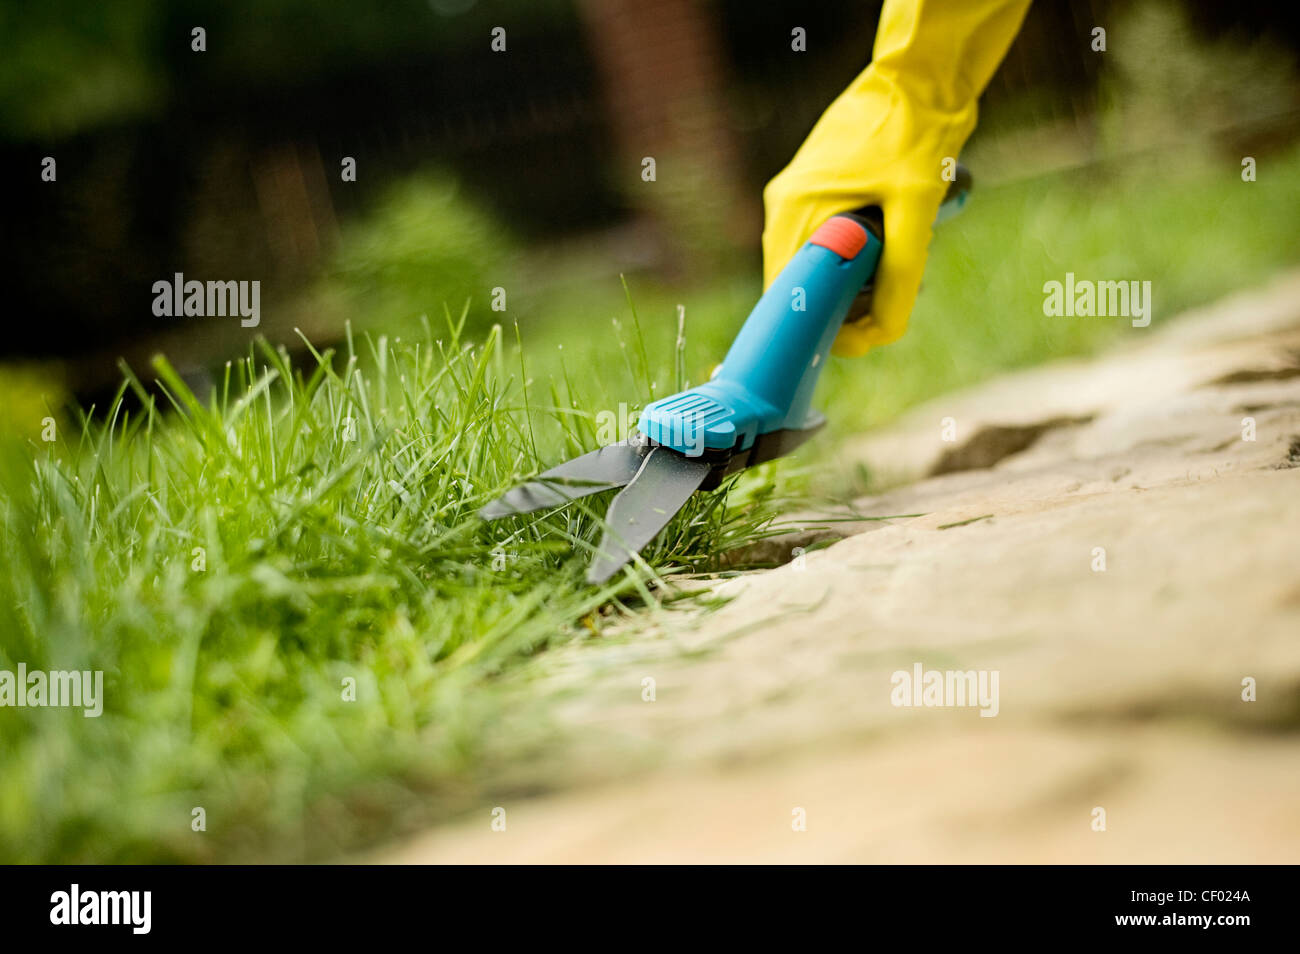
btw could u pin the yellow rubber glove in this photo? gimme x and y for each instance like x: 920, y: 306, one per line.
x: 884, y: 142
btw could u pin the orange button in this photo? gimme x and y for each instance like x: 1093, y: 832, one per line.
x: 841, y: 235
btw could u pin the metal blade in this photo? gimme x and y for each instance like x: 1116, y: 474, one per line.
x: 603, y: 469
x: 660, y: 488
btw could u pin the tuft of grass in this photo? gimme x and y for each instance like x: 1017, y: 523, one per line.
x: 297, y: 610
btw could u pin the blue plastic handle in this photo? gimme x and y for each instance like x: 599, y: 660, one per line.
x: 766, y: 381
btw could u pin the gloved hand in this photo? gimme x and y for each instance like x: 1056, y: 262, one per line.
x: 884, y: 142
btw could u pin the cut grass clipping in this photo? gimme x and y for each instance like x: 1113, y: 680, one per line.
x: 294, y: 604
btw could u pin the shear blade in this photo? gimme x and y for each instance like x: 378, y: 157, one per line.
x: 659, y: 489
x: 603, y: 469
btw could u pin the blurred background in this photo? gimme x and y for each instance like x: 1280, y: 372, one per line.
x: 522, y: 169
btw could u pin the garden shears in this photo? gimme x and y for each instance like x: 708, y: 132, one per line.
x: 755, y: 408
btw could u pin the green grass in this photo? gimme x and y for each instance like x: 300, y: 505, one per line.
x: 330, y: 551
x: 335, y: 552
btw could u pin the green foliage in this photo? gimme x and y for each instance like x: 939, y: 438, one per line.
x: 1159, y: 68
x: 65, y: 65
x: 424, y: 245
